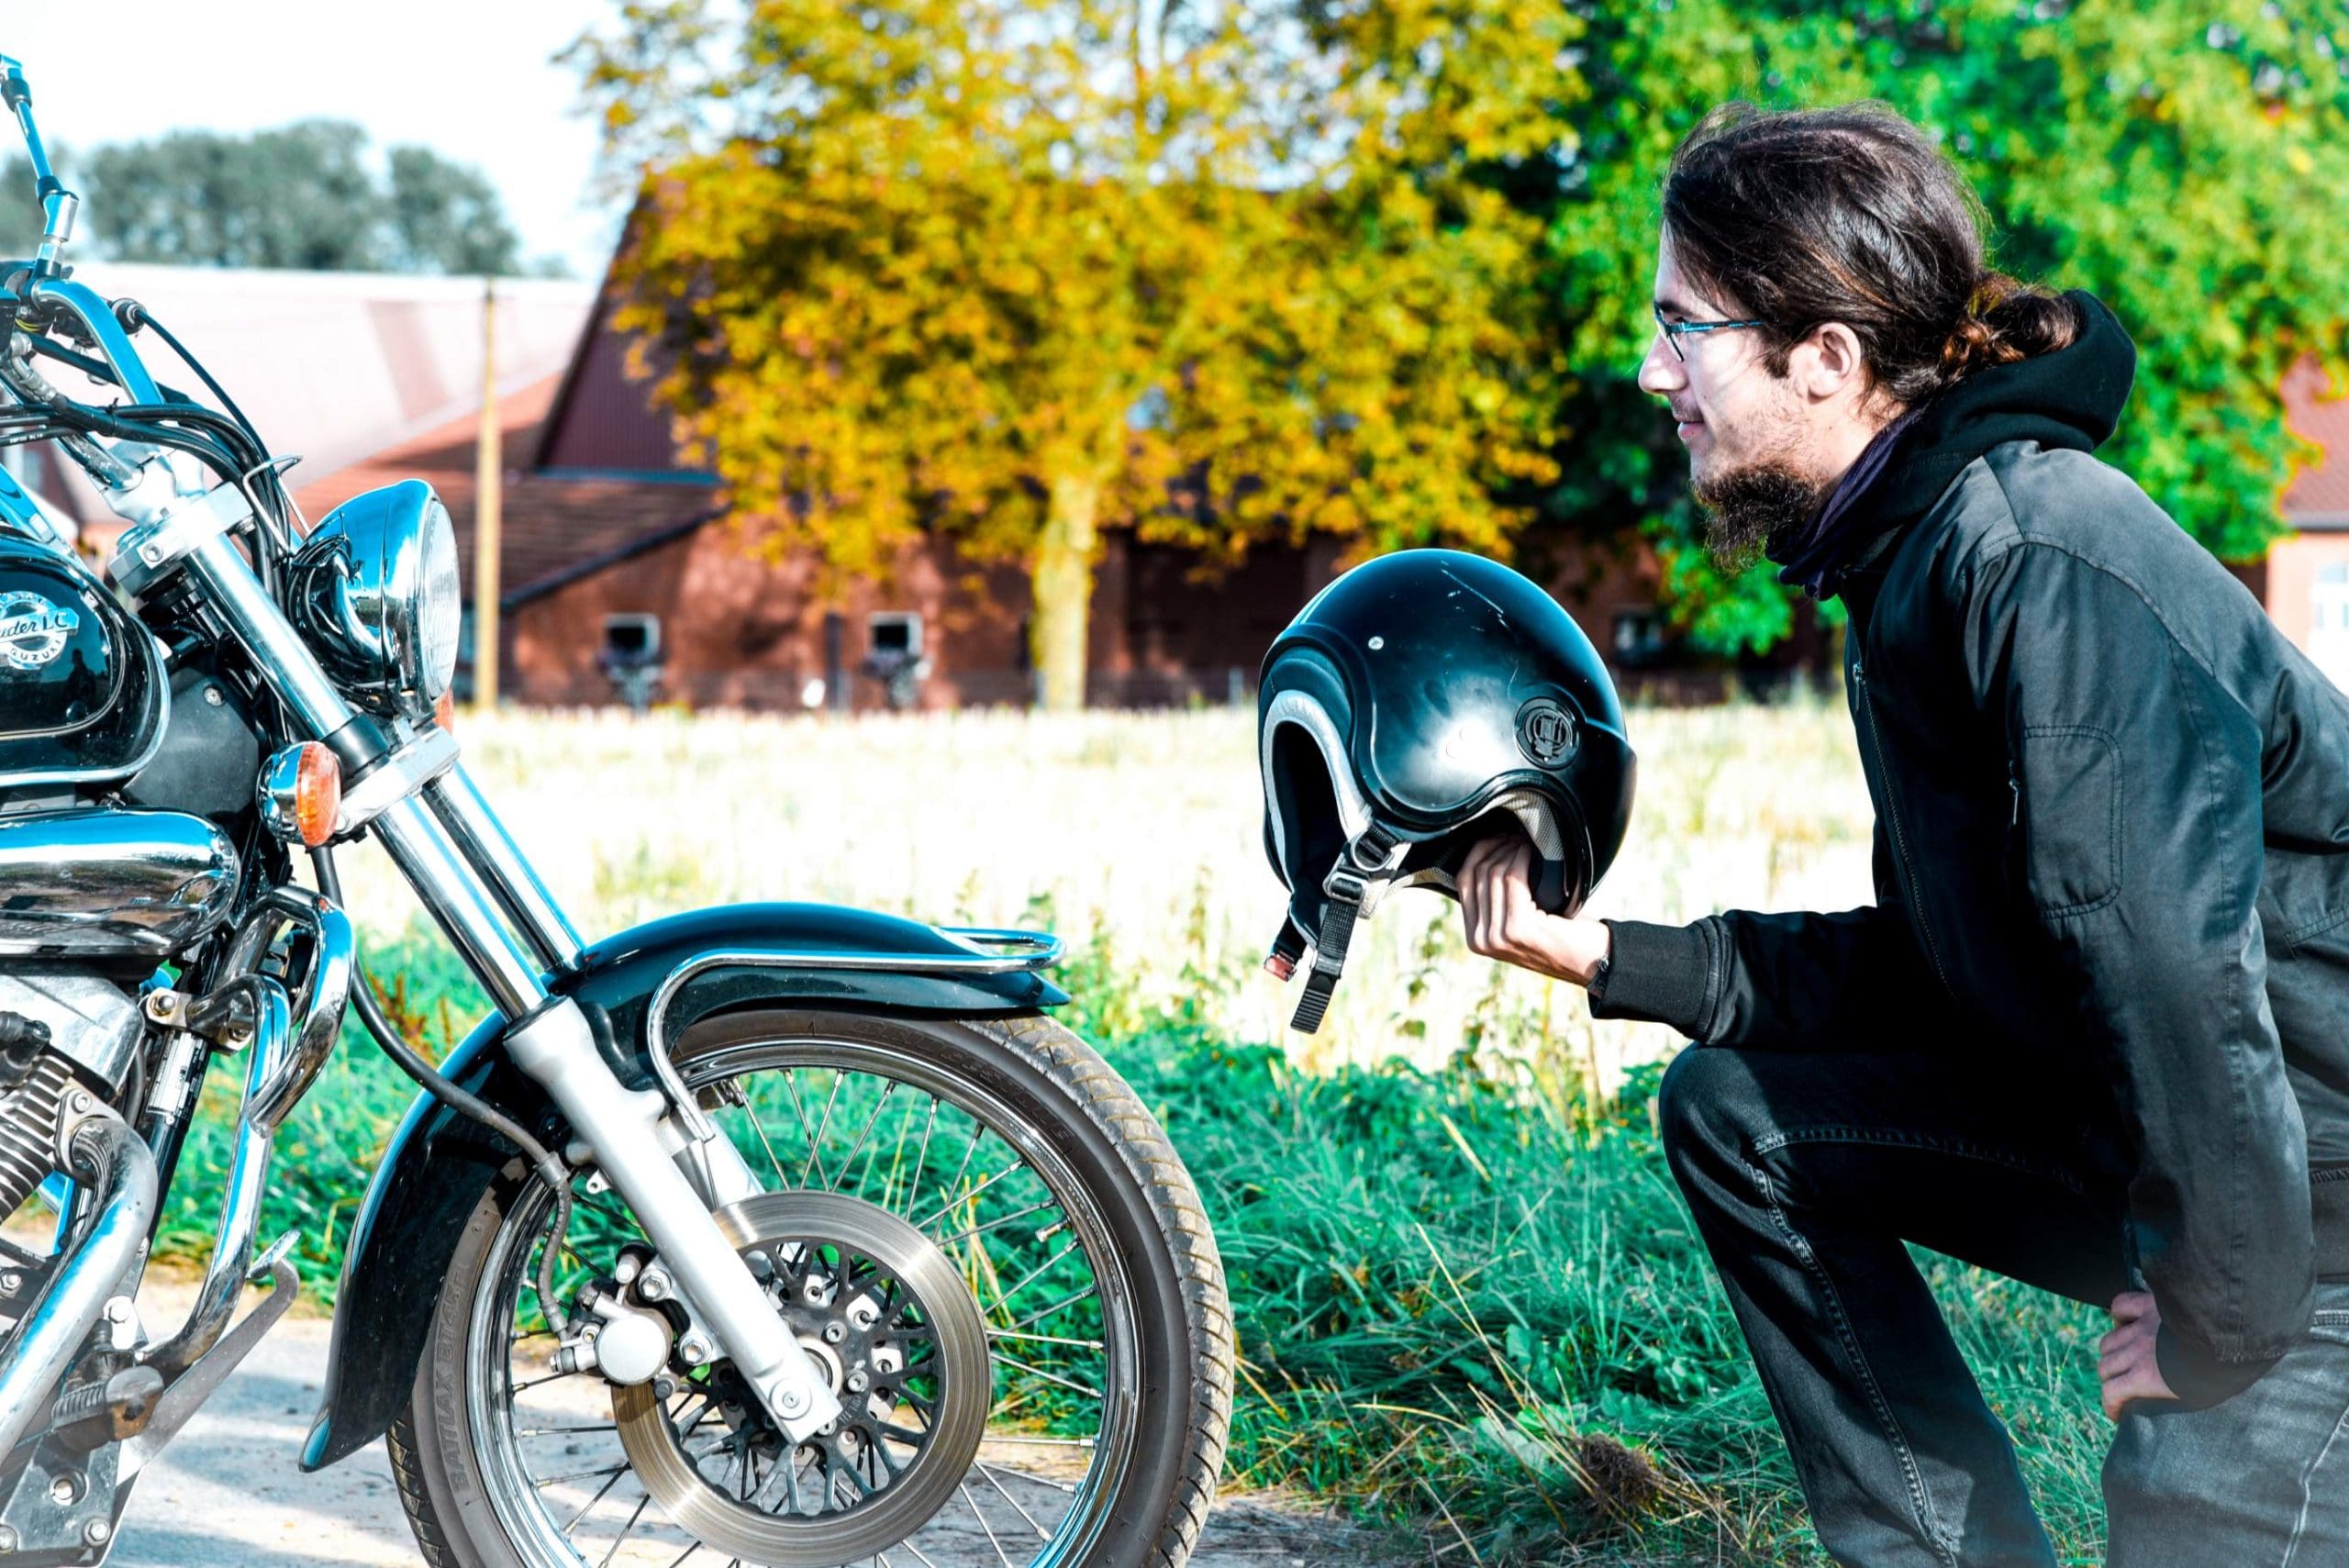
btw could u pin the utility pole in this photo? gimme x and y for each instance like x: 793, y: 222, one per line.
x: 488, y: 463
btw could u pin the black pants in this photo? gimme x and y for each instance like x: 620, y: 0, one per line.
x: 1805, y: 1173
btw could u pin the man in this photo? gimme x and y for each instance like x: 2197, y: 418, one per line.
x: 2094, y: 1034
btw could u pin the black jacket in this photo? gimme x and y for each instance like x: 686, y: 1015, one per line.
x: 2112, y: 824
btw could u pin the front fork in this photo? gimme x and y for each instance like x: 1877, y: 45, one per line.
x: 635, y: 1136
x: 483, y: 895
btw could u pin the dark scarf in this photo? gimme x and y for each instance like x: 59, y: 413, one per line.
x: 2071, y: 398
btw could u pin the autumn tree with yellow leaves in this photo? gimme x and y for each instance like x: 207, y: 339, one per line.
x: 1013, y: 274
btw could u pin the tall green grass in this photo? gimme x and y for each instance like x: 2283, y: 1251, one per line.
x: 1469, y: 1303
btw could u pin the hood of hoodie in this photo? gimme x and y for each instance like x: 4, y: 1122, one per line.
x: 2070, y: 398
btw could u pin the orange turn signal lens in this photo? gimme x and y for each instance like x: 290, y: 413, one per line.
x: 444, y: 712
x: 317, y: 795
x: 301, y: 794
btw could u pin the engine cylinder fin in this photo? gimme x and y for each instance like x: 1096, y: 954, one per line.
x: 28, y: 1129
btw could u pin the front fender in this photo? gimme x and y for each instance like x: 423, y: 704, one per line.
x: 438, y: 1162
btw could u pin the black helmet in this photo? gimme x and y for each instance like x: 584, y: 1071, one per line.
x: 1421, y: 702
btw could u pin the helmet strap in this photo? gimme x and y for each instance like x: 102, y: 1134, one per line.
x: 1367, y: 861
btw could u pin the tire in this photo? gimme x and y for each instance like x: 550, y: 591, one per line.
x: 1137, y: 1217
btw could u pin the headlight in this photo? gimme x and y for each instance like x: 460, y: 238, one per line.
x: 374, y: 592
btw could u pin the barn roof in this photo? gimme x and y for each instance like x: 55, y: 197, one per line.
x: 557, y: 526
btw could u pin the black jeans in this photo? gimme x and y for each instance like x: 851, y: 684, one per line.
x: 1805, y: 1173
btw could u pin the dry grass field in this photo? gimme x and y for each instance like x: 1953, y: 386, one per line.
x: 1139, y: 830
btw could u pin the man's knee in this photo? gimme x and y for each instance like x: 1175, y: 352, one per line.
x: 1701, y: 1104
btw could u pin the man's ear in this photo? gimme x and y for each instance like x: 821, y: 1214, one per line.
x: 1828, y: 361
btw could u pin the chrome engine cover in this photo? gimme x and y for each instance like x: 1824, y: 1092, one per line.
x: 109, y: 882
x: 92, y: 1021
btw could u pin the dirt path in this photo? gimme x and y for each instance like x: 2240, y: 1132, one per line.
x: 229, y: 1491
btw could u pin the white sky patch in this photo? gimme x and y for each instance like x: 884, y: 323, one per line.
x: 473, y: 80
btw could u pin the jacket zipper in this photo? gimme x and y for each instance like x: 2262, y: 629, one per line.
x: 1899, y: 839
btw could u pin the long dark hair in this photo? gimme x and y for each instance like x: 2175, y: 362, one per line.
x: 1851, y: 213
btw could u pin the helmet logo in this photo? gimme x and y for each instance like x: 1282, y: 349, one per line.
x: 1545, y: 732
x: 33, y: 631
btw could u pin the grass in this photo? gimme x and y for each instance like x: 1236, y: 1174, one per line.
x: 1468, y: 1301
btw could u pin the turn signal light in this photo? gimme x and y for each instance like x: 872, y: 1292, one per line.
x: 444, y: 712
x: 301, y: 794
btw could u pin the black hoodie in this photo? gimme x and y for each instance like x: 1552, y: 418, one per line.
x: 2069, y: 399
x: 2112, y: 834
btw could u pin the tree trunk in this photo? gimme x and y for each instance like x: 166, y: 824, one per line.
x: 1063, y: 581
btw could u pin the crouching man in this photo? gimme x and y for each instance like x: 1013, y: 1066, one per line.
x: 2094, y: 1032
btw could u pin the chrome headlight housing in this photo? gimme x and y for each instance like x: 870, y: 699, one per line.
x: 374, y: 592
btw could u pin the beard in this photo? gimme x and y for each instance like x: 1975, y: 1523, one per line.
x: 1752, y: 510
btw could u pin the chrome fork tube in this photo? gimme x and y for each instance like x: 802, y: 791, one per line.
x: 630, y: 1132
x: 461, y: 906
x: 482, y: 839
x: 102, y: 1151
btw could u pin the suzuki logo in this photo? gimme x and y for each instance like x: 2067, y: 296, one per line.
x: 33, y: 631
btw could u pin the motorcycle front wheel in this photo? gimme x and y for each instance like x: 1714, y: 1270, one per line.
x: 983, y: 1240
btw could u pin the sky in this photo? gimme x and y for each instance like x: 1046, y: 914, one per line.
x: 470, y: 79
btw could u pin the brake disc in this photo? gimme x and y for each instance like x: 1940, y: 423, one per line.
x: 889, y: 1321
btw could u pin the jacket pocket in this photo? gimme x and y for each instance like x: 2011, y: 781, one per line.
x: 2069, y: 807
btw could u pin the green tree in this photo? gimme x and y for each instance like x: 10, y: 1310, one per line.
x: 1018, y: 273
x: 446, y: 217
x: 300, y: 197
x: 2179, y: 165
x: 297, y: 196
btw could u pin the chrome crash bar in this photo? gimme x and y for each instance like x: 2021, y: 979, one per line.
x: 284, y: 1056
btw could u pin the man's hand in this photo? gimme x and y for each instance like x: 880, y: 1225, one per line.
x: 2125, y: 1361
x: 1497, y: 904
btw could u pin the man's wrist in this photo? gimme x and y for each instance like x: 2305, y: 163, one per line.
x: 1596, y: 981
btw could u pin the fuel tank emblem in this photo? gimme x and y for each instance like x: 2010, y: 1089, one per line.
x: 32, y: 631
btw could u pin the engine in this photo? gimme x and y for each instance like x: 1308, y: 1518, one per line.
x: 57, y: 1028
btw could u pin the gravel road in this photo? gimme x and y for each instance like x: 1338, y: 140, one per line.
x: 229, y: 1491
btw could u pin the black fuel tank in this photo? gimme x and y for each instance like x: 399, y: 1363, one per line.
x: 83, y: 698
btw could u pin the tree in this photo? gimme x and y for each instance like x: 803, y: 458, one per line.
x: 446, y: 217
x: 299, y: 197
x: 1013, y: 274
x: 2180, y: 166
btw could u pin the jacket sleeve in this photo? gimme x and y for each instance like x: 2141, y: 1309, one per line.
x: 2137, y: 781
x: 1774, y: 982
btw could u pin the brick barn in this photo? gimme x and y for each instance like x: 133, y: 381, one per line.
x: 616, y: 555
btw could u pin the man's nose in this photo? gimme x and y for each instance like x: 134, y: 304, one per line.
x: 1662, y: 372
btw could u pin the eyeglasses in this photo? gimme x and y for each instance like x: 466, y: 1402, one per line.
x: 1675, y: 330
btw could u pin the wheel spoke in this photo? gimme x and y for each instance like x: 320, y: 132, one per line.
x: 987, y: 1527
x: 625, y: 1532
x: 1044, y: 1339
x: 921, y: 1157
x: 1024, y: 1475
x: 952, y: 1203
x: 750, y: 1115
x: 995, y: 1224
x: 589, y: 1506
x: 1062, y: 1305
x: 1042, y: 1533
x: 822, y: 1124
x: 1048, y: 1376
x: 856, y: 1148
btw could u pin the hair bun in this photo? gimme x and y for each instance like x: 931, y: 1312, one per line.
x: 1973, y: 344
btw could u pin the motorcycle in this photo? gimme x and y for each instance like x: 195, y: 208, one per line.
x: 775, y: 1234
